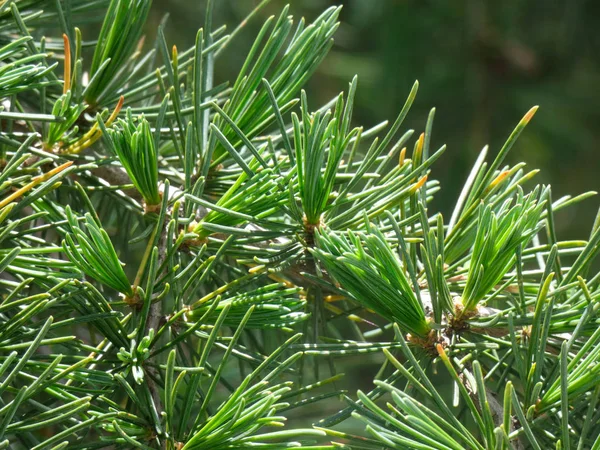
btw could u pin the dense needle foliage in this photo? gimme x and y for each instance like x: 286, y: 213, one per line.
x: 186, y: 263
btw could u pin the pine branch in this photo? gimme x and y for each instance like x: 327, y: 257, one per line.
x: 266, y: 237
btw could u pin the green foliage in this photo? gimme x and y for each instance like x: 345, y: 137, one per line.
x: 134, y: 145
x: 253, y: 197
x: 323, y: 134
x: 136, y: 356
x: 274, y: 306
x: 63, y: 108
x: 268, y: 244
x: 20, y: 69
x: 114, y: 58
x: 498, y: 238
x: 90, y: 248
x: 367, y: 267
x: 254, y: 109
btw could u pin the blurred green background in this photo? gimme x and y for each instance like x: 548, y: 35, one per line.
x: 482, y: 64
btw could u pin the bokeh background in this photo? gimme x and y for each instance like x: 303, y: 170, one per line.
x: 482, y: 64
